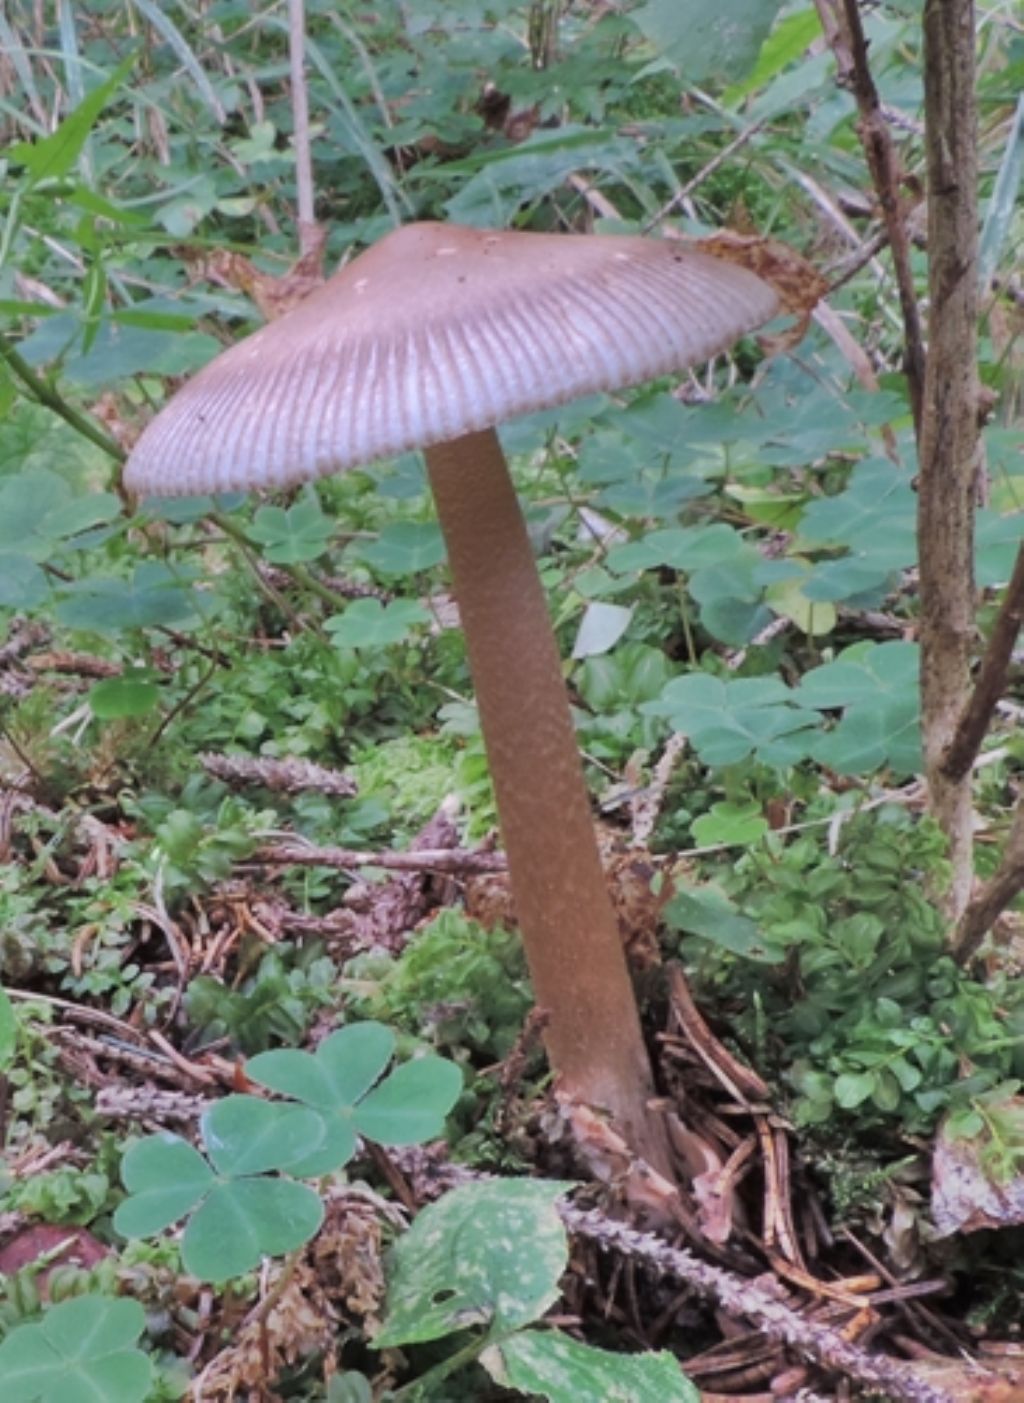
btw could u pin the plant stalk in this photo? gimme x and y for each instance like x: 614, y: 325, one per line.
x: 568, y: 924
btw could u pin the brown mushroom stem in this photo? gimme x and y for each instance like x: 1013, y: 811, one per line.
x: 568, y: 925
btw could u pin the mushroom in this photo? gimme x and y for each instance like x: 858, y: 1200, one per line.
x: 427, y: 340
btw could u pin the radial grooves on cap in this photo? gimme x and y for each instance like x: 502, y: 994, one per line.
x: 462, y: 344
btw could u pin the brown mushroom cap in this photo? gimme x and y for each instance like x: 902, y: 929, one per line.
x: 437, y: 331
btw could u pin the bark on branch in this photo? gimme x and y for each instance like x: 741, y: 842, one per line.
x: 948, y: 443
x: 842, y: 25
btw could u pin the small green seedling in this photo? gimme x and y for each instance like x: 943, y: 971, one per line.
x: 463, y: 1264
x: 83, y: 1350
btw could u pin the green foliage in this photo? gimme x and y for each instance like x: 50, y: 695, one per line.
x: 238, y: 1205
x: 198, y: 841
x: 461, y: 985
x: 291, y: 535
x: 412, y: 775
x: 276, y: 1003
x: 702, y: 42
x: 461, y: 1265
x: 837, y: 966
x: 73, y: 1196
x: 554, y: 1366
x: 8, y: 1030
x: 370, y: 624
x: 343, y: 1082
x: 874, y: 684
x: 236, y: 1212
x: 675, y: 528
x: 83, y: 1349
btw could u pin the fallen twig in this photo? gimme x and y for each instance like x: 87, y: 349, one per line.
x: 451, y: 862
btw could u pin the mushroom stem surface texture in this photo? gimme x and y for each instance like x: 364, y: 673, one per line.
x: 568, y: 924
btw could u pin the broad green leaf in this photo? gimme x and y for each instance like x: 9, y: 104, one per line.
x: 531, y: 169
x: 246, y: 1135
x: 247, y: 1219
x: 485, y: 1254
x: 118, y: 697
x: 878, y: 686
x: 862, y: 673
x: 600, y: 629
x: 551, y: 1365
x: 410, y: 1105
x: 706, y: 911
x: 82, y: 514
x: 22, y: 583
x: 370, y: 624
x: 151, y: 598
x: 54, y: 155
x: 707, y: 41
x: 33, y: 438
x: 633, y: 673
x: 27, y: 503
x: 727, y: 721
x: 741, y: 824
x: 871, y: 735
x: 83, y: 1351
x: 405, y: 548
x: 886, y: 1094
x: 781, y: 510
x: 787, y: 42
x: 852, y: 1089
x: 1003, y: 202
x: 337, y: 1075
x: 997, y: 540
x: 291, y: 535
x: 812, y: 617
x: 875, y: 517
x: 165, y: 1178
x: 684, y: 548
x: 349, y: 1388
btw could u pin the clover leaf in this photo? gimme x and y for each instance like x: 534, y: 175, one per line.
x: 728, y: 720
x: 238, y: 1215
x: 370, y: 624
x: 83, y: 1350
x: 877, y: 685
x: 405, y: 548
x: 404, y: 1108
x: 291, y: 535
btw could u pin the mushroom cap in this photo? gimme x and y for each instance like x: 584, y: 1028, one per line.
x: 437, y: 331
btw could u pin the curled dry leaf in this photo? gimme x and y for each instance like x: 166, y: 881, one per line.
x: 799, y: 285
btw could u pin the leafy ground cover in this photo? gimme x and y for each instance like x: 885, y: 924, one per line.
x: 267, y: 1058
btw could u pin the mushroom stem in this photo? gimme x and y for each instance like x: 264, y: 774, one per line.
x: 567, y: 922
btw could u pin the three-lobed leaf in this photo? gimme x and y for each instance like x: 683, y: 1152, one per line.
x: 368, y: 623
x: 406, y: 1107
x: 237, y: 1216
x: 83, y: 1351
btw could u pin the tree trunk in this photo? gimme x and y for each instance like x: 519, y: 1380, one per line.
x: 948, y: 450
